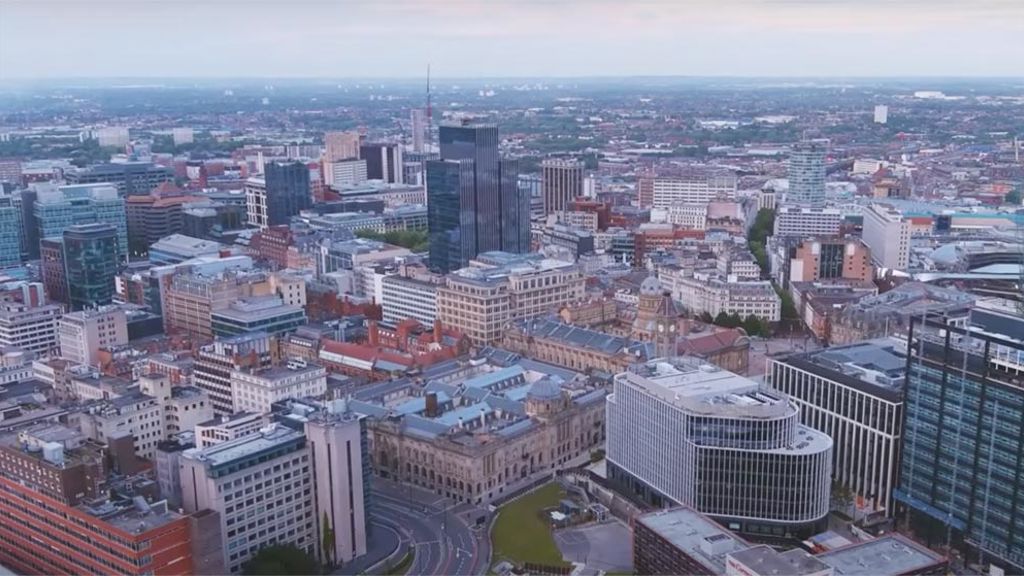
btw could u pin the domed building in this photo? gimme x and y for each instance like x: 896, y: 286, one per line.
x: 657, y: 318
x: 546, y: 398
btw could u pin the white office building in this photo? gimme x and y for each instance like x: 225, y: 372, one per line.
x: 682, y: 432
x: 881, y: 114
x: 404, y: 297
x: 32, y: 328
x: 228, y: 427
x: 256, y: 390
x: 854, y: 395
x: 887, y: 233
x: 82, y: 334
x: 668, y: 191
x: 350, y: 172
x: 803, y: 221
x: 806, y: 172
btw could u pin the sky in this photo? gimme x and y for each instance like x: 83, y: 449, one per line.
x: 509, y: 38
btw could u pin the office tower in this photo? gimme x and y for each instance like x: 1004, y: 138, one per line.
x: 156, y: 215
x: 215, y: 362
x: 10, y: 232
x: 881, y: 114
x: 130, y: 178
x: 82, y: 334
x: 803, y: 221
x: 190, y: 297
x: 350, y: 172
x: 887, y: 233
x: 287, y: 191
x: 340, y: 146
x: 90, y: 259
x: 25, y: 202
x: 474, y: 203
x: 403, y: 297
x: 418, y: 117
x: 51, y: 269
x: 28, y: 327
x: 256, y: 390
x: 960, y: 476
x: 825, y: 258
x: 383, y: 162
x: 260, y: 487
x: 682, y: 432
x: 57, y: 208
x: 807, y: 173
x: 855, y: 395
x: 562, y: 182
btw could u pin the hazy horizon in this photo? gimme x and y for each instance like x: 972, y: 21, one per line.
x: 505, y: 39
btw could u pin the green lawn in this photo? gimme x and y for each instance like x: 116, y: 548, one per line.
x: 520, y: 535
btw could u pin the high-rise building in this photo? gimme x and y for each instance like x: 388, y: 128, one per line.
x: 215, y: 362
x: 693, y: 434
x: 10, y: 232
x: 829, y: 259
x: 807, y: 173
x: 474, y: 203
x: 855, y: 395
x: 803, y: 221
x: 665, y: 191
x: 562, y: 182
x: 82, y: 334
x: 156, y: 215
x: 960, y: 475
x: 57, y: 208
x: 25, y: 201
x: 51, y: 269
x: 348, y: 172
x: 403, y: 297
x: 881, y: 114
x: 282, y: 192
x: 111, y: 136
x: 383, y: 162
x: 91, y: 259
x: 418, y: 119
x: 887, y: 233
x: 340, y: 146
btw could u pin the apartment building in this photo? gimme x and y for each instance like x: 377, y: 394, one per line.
x: 887, y: 233
x: 666, y: 191
x: 404, y: 297
x: 803, y: 221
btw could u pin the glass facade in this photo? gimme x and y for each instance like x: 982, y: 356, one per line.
x: 807, y: 173
x: 90, y: 260
x: 474, y: 203
x: 57, y: 210
x: 288, y: 191
x: 963, y: 449
x: 10, y: 232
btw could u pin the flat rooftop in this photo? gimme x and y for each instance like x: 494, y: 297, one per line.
x: 767, y: 561
x: 225, y: 452
x: 874, y: 362
x: 893, y: 554
x: 691, y: 532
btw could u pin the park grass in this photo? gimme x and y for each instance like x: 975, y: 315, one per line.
x: 520, y: 535
x: 402, y: 567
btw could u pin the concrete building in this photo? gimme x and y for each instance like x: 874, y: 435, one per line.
x: 189, y: 299
x: 680, y: 432
x: 889, y: 314
x: 32, y: 328
x: 130, y: 178
x: 111, y: 136
x: 481, y: 430
x: 688, y: 216
x: 404, y: 297
x: 350, y: 254
x: 682, y: 541
x: 480, y: 301
x: 806, y: 172
x: 81, y: 334
x: 255, y: 391
x: 272, y: 466
x: 267, y: 314
x: 561, y: 183
x: 182, y: 136
x: 830, y: 258
x: 803, y: 221
x: 350, y: 172
x: 215, y: 362
x: 383, y: 162
x: 51, y: 269
x: 156, y: 215
x: 228, y: 427
x: 703, y: 293
x: 881, y: 114
x: 668, y: 191
x: 854, y: 394
x: 340, y: 146
x: 419, y: 128
x: 177, y: 248
x: 887, y: 233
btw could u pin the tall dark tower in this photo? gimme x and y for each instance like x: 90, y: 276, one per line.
x: 90, y: 259
x: 474, y: 203
x: 288, y: 191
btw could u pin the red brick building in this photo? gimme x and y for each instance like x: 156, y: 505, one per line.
x: 271, y: 245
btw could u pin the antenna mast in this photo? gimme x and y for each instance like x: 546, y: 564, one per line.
x: 430, y: 115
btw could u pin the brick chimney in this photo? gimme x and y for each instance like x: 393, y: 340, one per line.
x: 372, y: 334
x: 437, y: 331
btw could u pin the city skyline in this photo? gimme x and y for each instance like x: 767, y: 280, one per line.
x: 470, y: 38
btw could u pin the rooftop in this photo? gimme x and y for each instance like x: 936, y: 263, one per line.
x: 700, y: 537
x: 889, y: 555
x: 766, y: 561
x: 877, y: 363
x: 186, y: 245
x: 268, y: 438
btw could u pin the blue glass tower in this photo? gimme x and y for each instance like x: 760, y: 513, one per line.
x: 288, y: 191
x: 90, y: 260
x: 474, y: 203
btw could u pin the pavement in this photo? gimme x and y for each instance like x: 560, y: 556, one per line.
x: 381, y: 543
x: 434, y: 526
x: 603, y: 547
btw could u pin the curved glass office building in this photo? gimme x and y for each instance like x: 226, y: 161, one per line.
x: 682, y: 432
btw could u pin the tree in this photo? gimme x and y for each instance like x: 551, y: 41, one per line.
x: 1013, y: 197
x: 706, y: 318
x: 722, y: 319
x: 752, y: 325
x: 328, y: 543
x: 281, y: 560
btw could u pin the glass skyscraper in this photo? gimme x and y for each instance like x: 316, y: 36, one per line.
x: 90, y: 260
x: 963, y: 441
x: 288, y: 191
x: 474, y: 203
x: 10, y: 232
x: 57, y: 209
x: 807, y: 173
